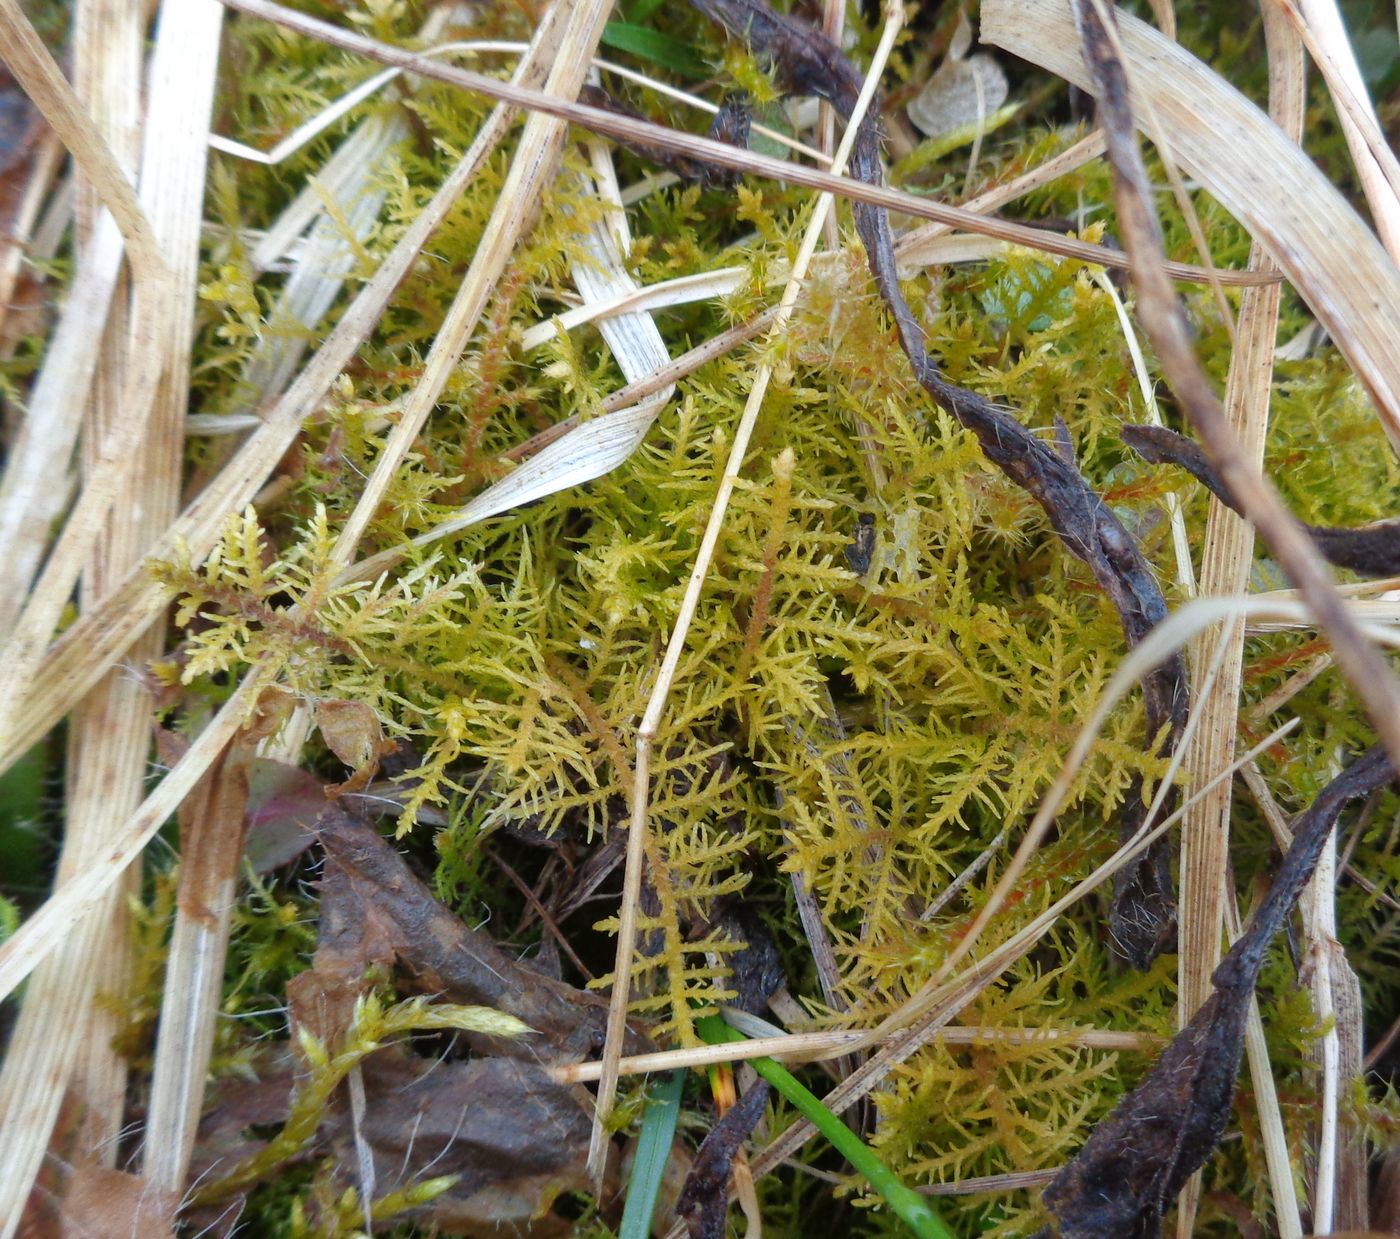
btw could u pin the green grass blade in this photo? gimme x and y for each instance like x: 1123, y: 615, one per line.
x: 656, y: 48
x: 911, y: 1208
x: 653, y: 1151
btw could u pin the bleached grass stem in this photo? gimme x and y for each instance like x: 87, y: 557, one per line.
x: 721, y: 154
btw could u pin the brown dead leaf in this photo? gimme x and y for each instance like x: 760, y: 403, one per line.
x: 97, y: 1203
x: 284, y: 803
x: 964, y: 90
x: 516, y: 1138
x: 351, y: 731
x: 1136, y: 1161
x: 375, y: 912
x: 705, y: 1198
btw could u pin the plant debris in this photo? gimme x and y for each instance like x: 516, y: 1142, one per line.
x: 1371, y: 550
x: 1143, y: 915
x: 1137, y: 1160
x: 476, y: 1122
x: 374, y: 912
x: 704, y: 1200
x: 1164, y: 321
x: 731, y: 124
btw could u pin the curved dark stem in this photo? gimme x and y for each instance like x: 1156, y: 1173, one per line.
x: 1372, y: 550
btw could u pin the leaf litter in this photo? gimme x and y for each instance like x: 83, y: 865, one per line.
x: 1143, y: 915
x: 1136, y: 1161
x: 479, y: 1122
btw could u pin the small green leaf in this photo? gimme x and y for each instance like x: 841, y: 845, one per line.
x: 911, y: 1208
x: 653, y: 1151
x: 655, y: 47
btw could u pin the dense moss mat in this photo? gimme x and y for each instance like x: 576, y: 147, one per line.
x: 872, y: 732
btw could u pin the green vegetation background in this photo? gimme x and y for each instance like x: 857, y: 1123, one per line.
x: 873, y: 733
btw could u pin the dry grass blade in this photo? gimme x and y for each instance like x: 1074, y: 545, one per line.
x: 1270, y: 185
x: 1339, y: 1198
x: 1225, y: 568
x: 800, y: 1047
x: 720, y: 154
x: 1287, y: 1215
x: 35, y: 70
x: 532, y: 168
x: 89, y: 648
x: 117, y: 624
x: 64, y: 1037
x: 639, y: 824
x: 916, y: 246
x: 1320, y: 25
x: 211, y: 843
x: 957, y: 992
x: 1165, y: 323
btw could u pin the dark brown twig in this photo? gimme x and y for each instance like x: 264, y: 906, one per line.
x: 1138, y: 1159
x: 1372, y: 550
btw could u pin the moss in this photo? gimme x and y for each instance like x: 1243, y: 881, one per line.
x: 873, y: 733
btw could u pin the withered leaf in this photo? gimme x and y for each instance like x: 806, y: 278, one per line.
x: 704, y: 1199
x: 374, y: 911
x: 284, y: 802
x: 351, y: 730
x: 94, y: 1202
x: 516, y: 1138
x: 755, y: 972
x: 1372, y: 550
x: 1137, y: 1160
x: 1143, y: 916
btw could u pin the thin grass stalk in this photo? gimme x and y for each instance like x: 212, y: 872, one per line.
x: 1321, y: 27
x: 13, y: 248
x: 42, y: 451
x: 956, y: 994
x: 1225, y: 570
x: 833, y: 26
x: 1319, y: 918
x: 1263, y: 179
x: 639, y: 825
x: 721, y: 154
x: 1287, y: 1216
x: 211, y: 842
x: 801, y: 1047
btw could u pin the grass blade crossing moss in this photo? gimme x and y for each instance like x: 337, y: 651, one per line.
x: 908, y: 1205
